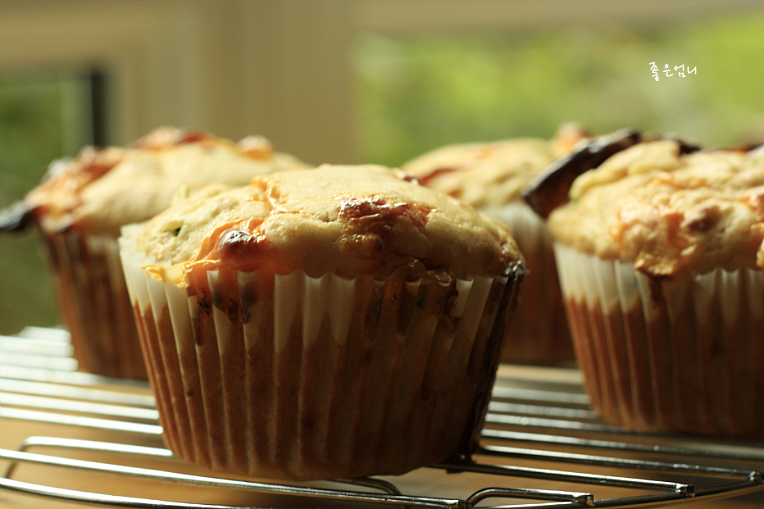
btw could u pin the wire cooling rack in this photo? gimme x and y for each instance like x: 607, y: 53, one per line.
x: 542, y: 447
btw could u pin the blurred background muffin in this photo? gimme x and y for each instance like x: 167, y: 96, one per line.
x: 81, y: 204
x: 492, y: 176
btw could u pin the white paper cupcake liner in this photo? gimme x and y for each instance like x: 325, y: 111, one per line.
x: 682, y: 355
x: 94, y: 303
x: 539, y: 332
x: 295, y: 377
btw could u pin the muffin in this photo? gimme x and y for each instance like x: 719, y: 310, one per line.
x: 333, y: 322
x: 660, y: 249
x: 81, y: 205
x: 492, y: 177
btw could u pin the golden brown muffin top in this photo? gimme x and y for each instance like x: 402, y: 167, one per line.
x: 491, y: 174
x: 668, y: 211
x: 346, y: 220
x: 102, y: 189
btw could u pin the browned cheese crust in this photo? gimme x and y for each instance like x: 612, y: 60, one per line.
x: 341, y: 219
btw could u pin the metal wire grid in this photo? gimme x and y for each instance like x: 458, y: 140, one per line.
x: 528, y: 420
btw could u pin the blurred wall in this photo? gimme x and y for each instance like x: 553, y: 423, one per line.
x: 234, y: 67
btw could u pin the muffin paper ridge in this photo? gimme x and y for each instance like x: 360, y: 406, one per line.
x: 94, y: 303
x: 536, y: 339
x: 672, y: 355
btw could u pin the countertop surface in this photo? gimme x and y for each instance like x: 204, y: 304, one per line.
x: 540, y: 436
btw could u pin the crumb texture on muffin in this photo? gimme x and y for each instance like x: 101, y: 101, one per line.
x: 102, y: 189
x: 669, y: 212
x: 340, y: 219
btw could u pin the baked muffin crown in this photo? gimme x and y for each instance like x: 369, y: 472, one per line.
x: 491, y: 174
x: 669, y: 211
x: 341, y: 219
x: 102, y: 189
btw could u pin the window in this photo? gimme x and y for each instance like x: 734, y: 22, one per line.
x: 43, y: 116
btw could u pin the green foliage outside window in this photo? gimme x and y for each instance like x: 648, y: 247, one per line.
x: 417, y: 93
x: 41, y: 119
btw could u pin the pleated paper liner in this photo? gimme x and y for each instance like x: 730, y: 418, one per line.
x: 94, y: 303
x: 681, y: 355
x: 539, y: 329
x: 295, y: 377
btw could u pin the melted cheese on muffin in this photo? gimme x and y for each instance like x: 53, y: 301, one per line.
x: 341, y: 219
